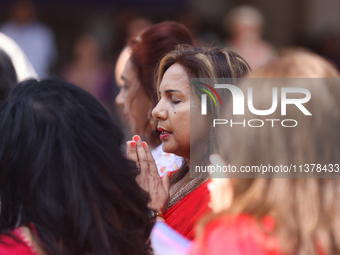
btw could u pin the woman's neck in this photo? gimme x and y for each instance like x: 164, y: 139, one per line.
x: 180, y: 184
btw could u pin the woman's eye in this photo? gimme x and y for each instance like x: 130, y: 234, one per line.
x: 175, y: 100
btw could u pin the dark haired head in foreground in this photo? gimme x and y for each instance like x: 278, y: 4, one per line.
x: 8, y: 75
x: 62, y: 171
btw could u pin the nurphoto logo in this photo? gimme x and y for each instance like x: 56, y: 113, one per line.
x: 204, y: 97
x: 238, y: 105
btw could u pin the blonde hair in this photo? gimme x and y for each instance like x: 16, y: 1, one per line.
x: 205, y: 63
x: 306, y: 211
x: 297, y: 63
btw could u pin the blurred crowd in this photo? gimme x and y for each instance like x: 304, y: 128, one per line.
x: 92, y: 61
x: 97, y: 156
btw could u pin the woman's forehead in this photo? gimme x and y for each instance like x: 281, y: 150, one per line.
x: 129, y: 72
x: 175, y: 78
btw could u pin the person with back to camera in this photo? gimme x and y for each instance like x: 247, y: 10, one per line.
x: 279, y: 215
x: 178, y: 199
x: 65, y: 186
x: 138, y: 95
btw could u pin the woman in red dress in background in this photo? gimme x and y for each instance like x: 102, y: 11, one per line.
x: 181, y: 199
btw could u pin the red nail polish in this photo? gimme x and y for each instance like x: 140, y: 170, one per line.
x: 136, y: 138
x: 133, y: 144
x: 169, y: 174
x: 144, y: 144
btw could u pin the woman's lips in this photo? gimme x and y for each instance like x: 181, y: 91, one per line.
x: 165, y: 133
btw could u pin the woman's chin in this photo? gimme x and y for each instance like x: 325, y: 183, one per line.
x: 167, y: 148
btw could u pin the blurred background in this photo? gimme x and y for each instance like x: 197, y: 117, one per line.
x: 81, y: 39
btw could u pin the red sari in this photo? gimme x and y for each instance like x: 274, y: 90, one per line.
x: 185, y: 213
x: 9, y: 246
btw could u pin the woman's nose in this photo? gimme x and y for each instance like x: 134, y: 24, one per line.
x: 159, y: 112
x: 120, y: 98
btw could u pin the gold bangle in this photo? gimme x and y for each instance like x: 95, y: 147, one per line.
x: 154, y: 214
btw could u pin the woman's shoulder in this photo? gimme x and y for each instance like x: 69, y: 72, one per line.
x: 24, y: 245
x: 241, y: 221
x: 242, y: 234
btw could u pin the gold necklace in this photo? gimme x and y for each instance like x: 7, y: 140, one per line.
x: 184, y: 182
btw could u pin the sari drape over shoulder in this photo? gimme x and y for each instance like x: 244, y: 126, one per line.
x: 187, y: 206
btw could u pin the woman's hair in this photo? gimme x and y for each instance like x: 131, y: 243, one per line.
x: 146, y: 52
x: 297, y: 63
x: 204, y: 64
x: 62, y: 169
x: 8, y: 75
x: 306, y: 210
